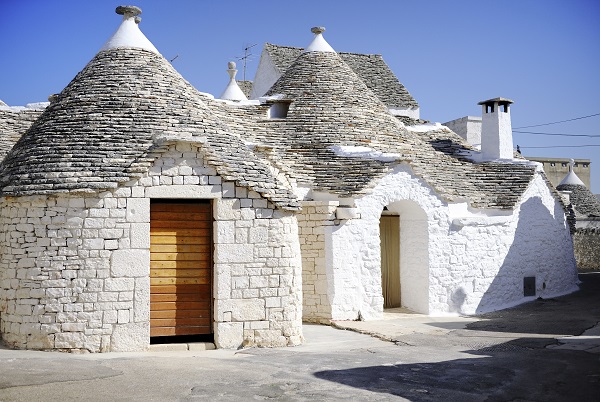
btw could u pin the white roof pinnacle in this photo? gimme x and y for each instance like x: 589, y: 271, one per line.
x: 128, y: 34
x: 318, y: 44
x: 571, y: 177
x: 233, y: 91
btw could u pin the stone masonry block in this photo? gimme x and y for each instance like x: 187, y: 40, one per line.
x: 118, y: 284
x: 140, y: 235
x: 224, y: 232
x: 258, y: 235
x: 69, y: 340
x: 229, y: 335
x: 228, y: 189
x: 246, y: 309
x: 138, y: 210
x: 227, y: 209
x: 131, y: 337
x: 130, y: 263
x: 228, y: 253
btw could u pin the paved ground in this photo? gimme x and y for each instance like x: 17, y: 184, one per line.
x: 531, y: 353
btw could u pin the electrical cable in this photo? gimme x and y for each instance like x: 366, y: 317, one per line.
x: 564, y: 146
x: 562, y: 121
x: 558, y: 134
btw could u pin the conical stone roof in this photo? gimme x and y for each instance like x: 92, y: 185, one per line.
x: 99, y: 131
x: 331, y: 107
x: 330, y: 102
x: 371, y: 68
x: 583, y: 200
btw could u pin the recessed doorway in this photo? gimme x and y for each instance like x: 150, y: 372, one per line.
x: 181, y: 269
x: 389, y: 229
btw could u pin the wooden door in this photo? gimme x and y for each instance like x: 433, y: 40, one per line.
x: 389, y: 229
x: 180, y: 268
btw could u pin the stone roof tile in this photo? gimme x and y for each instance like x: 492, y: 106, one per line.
x: 12, y: 126
x: 100, y: 130
x: 583, y: 200
x: 332, y: 106
x: 371, y: 68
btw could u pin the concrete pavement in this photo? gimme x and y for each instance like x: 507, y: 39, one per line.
x: 543, y: 351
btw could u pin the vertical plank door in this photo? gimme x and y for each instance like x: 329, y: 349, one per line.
x: 389, y: 229
x: 180, y: 268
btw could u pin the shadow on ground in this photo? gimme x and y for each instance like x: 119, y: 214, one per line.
x: 520, y: 369
x: 492, y: 374
x: 568, y: 315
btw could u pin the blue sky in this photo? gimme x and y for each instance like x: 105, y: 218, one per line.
x: 544, y: 55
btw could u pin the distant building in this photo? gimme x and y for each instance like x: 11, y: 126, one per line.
x: 557, y: 168
x: 469, y: 128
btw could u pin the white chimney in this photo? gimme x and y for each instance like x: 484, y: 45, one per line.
x: 496, y: 129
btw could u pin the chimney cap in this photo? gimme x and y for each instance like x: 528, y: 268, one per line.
x: 128, y: 11
x: 500, y: 101
x: 317, y: 30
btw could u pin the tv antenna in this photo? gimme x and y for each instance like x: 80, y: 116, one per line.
x: 246, y: 57
x: 173, y: 59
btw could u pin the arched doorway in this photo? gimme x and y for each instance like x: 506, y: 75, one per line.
x: 389, y: 229
x: 404, y: 243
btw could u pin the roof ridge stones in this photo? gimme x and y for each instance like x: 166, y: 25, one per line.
x: 98, y: 131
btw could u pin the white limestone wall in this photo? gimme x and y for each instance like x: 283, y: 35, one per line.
x: 313, y: 221
x: 454, y: 260
x: 74, y: 270
x: 356, y: 261
x: 497, y: 252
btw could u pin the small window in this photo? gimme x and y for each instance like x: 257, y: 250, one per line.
x: 552, y: 164
x: 585, y: 165
x: 564, y: 164
x: 278, y: 110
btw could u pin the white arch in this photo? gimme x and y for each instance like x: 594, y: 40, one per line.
x: 414, y: 255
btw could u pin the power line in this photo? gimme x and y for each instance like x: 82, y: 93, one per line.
x: 558, y: 134
x: 566, y: 146
x: 562, y: 121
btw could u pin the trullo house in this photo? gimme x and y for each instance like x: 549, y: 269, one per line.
x: 136, y: 207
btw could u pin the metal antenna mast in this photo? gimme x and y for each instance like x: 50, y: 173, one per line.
x: 246, y: 57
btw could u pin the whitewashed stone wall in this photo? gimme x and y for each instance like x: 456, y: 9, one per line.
x: 74, y: 270
x: 453, y: 259
x: 498, y: 252
x: 419, y: 211
x: 313, y: 221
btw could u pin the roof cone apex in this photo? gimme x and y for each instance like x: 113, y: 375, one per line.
x: 571, y: 177
x: 128, y: 35
x: 318, y: 44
